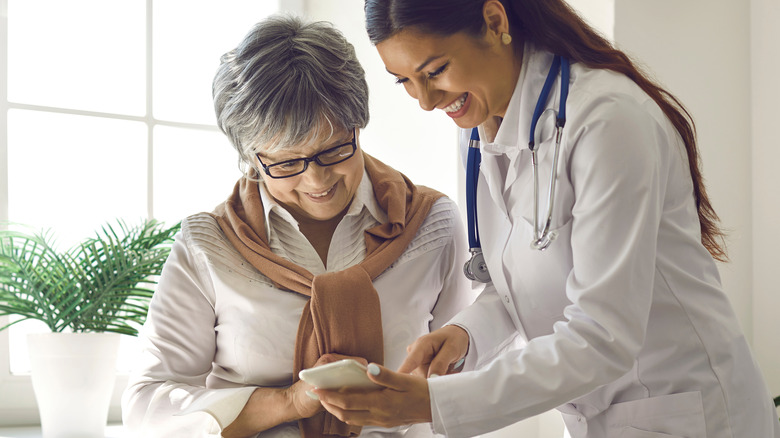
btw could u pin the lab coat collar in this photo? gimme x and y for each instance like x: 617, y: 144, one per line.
x: 511, y: 140
x: 512, y: 135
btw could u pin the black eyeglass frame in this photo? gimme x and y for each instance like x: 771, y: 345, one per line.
x: 315, y: 158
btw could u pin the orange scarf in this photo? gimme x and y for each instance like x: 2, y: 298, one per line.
x: 343, y: 315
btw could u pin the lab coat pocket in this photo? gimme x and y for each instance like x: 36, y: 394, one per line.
x: 631, y: 432
x: 543, y: 282
x: 673, y: 415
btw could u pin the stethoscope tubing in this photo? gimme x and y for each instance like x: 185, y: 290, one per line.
x: 472, y: 174
x: 475, y: 268
x: 543, y: 237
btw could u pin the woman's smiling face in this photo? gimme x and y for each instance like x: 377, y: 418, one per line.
x: 320, y: 193
x: 469, y: 78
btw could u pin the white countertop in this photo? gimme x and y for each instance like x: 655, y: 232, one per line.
x: 112, y: 431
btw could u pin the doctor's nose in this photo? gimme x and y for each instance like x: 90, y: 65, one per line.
x: 426, y: 97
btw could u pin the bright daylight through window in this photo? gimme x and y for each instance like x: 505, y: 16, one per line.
x: 109, y: 116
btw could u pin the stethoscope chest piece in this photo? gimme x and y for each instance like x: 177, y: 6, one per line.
x: 476, y: 269
x: 543, y: 242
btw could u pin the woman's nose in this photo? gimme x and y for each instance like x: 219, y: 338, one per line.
x: 315, y: 172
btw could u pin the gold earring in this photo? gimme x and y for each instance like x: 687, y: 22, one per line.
x: 506, y: 38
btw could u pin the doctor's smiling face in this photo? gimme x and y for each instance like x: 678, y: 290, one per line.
x: 320, y: 193
x: 471, y: 78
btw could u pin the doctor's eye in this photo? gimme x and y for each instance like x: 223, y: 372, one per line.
x: 438, y: 71
x: 400, y: 80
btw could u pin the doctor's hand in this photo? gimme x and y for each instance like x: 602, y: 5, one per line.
x: 436, y: 353
x: 403, y: 400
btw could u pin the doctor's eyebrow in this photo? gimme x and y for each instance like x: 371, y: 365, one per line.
x: 427, y: 61
x: 421, y: 66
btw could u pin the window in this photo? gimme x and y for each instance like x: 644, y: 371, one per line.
x: 108, y: 113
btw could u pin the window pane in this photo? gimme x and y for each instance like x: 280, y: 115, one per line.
x: 74, y: 173
x: 81, y: 54
x: 194, y: 171
x: 189, y: 38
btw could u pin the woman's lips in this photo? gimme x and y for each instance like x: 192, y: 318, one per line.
x: 324, y: 196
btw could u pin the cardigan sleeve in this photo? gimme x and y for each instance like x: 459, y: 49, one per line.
x: 167, y: 396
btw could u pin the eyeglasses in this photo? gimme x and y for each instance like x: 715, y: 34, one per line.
x: 328, y: 157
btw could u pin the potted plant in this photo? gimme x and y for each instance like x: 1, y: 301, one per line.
x: 87, y: 296
x: 777, y: 401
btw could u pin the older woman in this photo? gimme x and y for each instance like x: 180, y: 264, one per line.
x: 321, y: 252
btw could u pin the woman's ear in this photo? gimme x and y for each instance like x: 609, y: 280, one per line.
x: 496, y: 20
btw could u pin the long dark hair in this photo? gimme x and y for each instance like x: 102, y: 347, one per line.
x: 554, y: 26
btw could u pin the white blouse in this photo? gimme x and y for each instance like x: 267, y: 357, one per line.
x: 217, y: 328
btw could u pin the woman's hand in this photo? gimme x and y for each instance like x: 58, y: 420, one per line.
x: 305, y: 406
x: 269, y: 407
x: 437, y: 352
x: 404, y: 400
x: 301, y: 393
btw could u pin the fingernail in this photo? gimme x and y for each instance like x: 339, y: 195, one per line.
x: 433, y: 375
x: 312, y: 395
x: 373, y: 369
x: 460, y: 362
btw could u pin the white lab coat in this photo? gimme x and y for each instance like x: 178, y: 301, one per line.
x: 628, y: 331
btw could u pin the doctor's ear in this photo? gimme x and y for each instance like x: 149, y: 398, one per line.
x: 496, y: 20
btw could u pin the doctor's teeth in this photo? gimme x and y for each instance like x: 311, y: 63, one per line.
x: 457, y: 105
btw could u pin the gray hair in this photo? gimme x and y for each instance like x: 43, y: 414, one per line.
x: 285, y: 83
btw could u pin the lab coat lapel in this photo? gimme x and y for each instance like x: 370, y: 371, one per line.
x: 494, y: 231
x: 514, y: 133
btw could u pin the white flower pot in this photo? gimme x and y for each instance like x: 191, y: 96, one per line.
x: 73, y: 377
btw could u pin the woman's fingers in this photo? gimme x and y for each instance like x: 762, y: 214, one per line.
x: 334, y: 357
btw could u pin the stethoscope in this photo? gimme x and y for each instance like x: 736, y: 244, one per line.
x: 475, y: 268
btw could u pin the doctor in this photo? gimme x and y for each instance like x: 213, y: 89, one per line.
x: 599, y: 244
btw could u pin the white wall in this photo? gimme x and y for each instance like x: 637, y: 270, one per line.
x: 699, y: 49
x: 720, y: 59
x: 765, y: 93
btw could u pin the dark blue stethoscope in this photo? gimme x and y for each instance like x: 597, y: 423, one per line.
x: 475, y: 268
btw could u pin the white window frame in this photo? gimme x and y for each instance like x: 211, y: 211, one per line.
x: 17, y: 400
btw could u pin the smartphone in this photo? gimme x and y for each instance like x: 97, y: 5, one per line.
x: 346, y: 373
